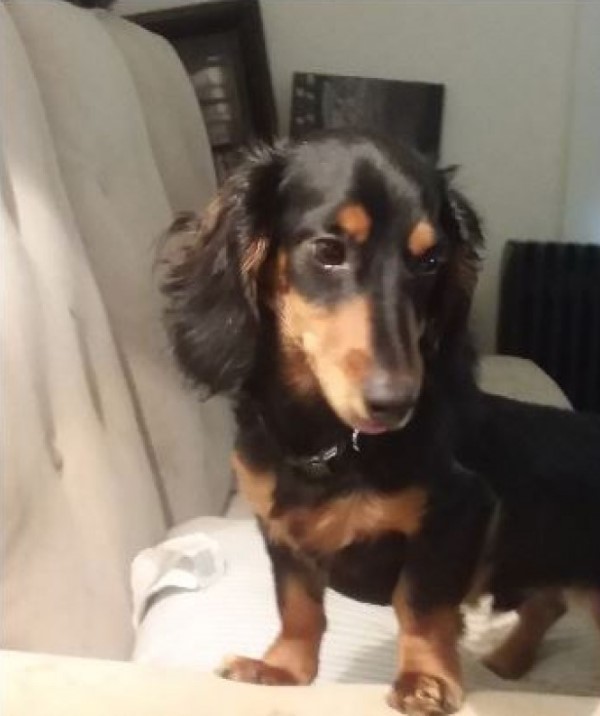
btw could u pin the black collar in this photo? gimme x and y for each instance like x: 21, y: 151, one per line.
x: 322, y: 461
x: 330, y: 453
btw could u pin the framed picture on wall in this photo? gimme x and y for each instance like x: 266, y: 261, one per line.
x: 410, y: 111
x: 221, y: 45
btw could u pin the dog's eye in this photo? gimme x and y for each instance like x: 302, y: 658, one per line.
x: 426, y: 264
x: 429, y: 263
x: 329, y: 251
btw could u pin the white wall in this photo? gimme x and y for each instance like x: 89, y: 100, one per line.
x: 582, y: 205
x: 506, y: 66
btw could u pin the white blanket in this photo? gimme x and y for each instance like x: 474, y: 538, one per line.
x: 208, y: 592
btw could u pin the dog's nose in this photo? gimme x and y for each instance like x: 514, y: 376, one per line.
x: 390, y: 399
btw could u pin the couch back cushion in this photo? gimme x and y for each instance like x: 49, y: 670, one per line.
x: 103, y: 444
x: 73, y: 455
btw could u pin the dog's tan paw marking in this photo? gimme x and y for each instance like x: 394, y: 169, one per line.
x: 422, y: 695
x: 254, y: 671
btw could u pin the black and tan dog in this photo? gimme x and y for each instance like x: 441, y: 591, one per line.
x: 327, y: 290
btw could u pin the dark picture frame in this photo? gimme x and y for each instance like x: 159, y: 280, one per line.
x: 222, y: 47
x: 402, y: 110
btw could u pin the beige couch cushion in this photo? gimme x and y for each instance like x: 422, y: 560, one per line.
x: 521, y: 379
x: 73, y: 457
x: 182, y: 153
x: 175, y: 125
x: 45, y: 686
x: 118, y: 195
x: 102, y: 443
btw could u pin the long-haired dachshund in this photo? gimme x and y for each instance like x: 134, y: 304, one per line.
x: 327, y: 290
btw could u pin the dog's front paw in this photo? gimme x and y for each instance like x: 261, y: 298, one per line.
x: 423, y: 695
x: 255, y: 671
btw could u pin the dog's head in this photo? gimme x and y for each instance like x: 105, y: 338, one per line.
x: 363, y: 258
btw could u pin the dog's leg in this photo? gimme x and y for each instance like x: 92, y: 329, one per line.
x: 516, y: 655
x: 300, y: 590
x: 430, y: 680
x: 441, y: 559
x: 293, y: 657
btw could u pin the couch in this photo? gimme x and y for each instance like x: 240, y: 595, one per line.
x: 104, y: 447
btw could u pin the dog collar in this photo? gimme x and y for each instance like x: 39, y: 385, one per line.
x: 322, y: 460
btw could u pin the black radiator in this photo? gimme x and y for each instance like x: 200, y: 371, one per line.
x: 550, y: 312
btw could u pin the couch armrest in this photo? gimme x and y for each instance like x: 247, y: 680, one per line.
x: 41, y: 685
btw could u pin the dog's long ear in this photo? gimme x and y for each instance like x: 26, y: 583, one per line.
x: 210, y: 268
x: 463, y: 229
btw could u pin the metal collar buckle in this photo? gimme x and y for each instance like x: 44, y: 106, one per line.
x: 321, y: 461
x: 324, y: 456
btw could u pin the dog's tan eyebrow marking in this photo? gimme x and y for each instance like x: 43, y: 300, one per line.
x: 355, y: 221
x: 421, y: 239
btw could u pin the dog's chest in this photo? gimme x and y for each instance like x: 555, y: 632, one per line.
x: 340, y: 522
x: 336, y: 523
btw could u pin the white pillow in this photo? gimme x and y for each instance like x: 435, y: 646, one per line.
x: 236, y: 614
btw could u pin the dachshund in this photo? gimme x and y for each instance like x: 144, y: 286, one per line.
x: 327, y: 291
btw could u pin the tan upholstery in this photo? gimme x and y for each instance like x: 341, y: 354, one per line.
x: 49, y: 686
x: 520, y: 379
x: 102, y: 443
